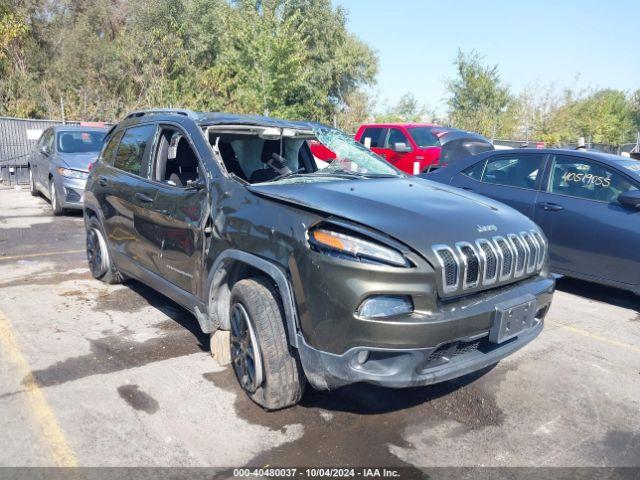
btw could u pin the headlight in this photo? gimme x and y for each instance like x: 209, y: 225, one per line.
x: 355, y: 248
x: 66, y: 172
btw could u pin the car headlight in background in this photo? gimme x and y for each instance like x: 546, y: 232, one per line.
x: 68, y: 173
x: 355, y: 248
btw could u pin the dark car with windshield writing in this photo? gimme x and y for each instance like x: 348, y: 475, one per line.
x: 353, y: 272
x: 587, y: 203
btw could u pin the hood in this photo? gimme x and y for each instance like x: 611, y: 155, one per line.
x: 416, y: 212
x: 78, y: 161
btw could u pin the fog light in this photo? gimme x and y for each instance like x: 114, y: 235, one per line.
x: 362, y: 357
x: 379, y: 306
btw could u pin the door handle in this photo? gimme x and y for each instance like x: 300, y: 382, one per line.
x: 103, y: 182
x: 551, y: 207
x: 468, y: 189
x: 143, y: 197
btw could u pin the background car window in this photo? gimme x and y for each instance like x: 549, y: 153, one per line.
x: 43, y: 139
x: 424, y: 137
x: 578, y: 177
x: 110, y: 148
x: 46, y: 141
x: 373, y: 134
x: 132, y: 148
x: 396, y: 136
x: 79, y: 142
x: 475, y: 171
x: 513, y: 170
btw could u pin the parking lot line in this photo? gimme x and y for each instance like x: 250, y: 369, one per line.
x: 42, y: 413
x: 588, y: 334
x: 43, y: 254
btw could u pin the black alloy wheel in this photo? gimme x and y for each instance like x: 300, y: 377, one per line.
x: 245, y: 355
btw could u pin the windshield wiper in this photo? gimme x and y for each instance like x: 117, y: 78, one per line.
x: 289, y: 174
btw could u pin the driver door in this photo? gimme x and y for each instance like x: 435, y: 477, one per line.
x: 181, y: 208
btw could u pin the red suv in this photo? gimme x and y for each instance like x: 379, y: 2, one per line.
x: 411, y: 147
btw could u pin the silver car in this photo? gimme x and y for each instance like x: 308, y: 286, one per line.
x: 59, y: 165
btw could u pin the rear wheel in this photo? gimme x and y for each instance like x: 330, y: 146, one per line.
x: 55, y: 203
x: 100, y: 262
x: 266, y: 368
x: 33, y: 190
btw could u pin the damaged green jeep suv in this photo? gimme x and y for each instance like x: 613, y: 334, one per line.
x: 329, y: 274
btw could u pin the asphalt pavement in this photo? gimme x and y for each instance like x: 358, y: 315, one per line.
x: 100, y: 375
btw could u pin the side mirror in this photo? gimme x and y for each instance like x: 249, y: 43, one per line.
x: 44, y: 150
x: 401, y: 147
x: 630, y: 199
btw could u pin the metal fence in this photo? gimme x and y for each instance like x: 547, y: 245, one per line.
x: 18, y: 137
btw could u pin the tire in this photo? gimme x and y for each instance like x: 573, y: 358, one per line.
x: 33, y: 190
x: 100, y: 263
x: 258, y: 325
x: 53, y: 196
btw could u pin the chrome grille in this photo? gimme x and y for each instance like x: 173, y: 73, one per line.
x: 533, y: 251
x: 521, y: 254
x: 489, y: 258
x: 467, y: 265
x: 506, y: 254
x: 542, y: 249
x: 470, y: 264
x: 449, y: 266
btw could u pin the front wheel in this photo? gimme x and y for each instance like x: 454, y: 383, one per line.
x: 33, y: 190
x: 100, y: 263
x: 53, y: 195
x: 266, y: 368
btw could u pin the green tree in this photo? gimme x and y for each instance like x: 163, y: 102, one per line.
x: 102, y: 58
x: 478, y: 100
x: 406, y: 110
x: 601, y: 116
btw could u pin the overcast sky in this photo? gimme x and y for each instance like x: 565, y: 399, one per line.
x: 543, y: 42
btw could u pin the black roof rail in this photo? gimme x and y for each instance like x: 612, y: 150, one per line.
x: 156, y: 111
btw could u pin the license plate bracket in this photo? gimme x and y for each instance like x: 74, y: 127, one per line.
x: 512, y: 318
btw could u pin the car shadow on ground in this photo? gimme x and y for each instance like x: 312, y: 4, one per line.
x: 360, y: 399
x: 171, y: 309
x: 599, y: 293
x: 366, y: 399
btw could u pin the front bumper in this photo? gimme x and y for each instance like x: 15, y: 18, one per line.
x: 434, y: 362
x: 70, y: 192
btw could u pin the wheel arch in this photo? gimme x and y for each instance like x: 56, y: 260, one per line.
x: 233, y: 265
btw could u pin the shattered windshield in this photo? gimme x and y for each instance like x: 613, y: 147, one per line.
x: 352, y: 156
x: 257, y: 154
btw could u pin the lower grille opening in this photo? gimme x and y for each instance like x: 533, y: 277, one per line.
x: 449, y: 351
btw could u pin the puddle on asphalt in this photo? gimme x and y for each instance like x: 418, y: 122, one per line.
x: 138, y: 399
x: 116, y: 352
x: 354, y: 425
x: 53, y: 278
